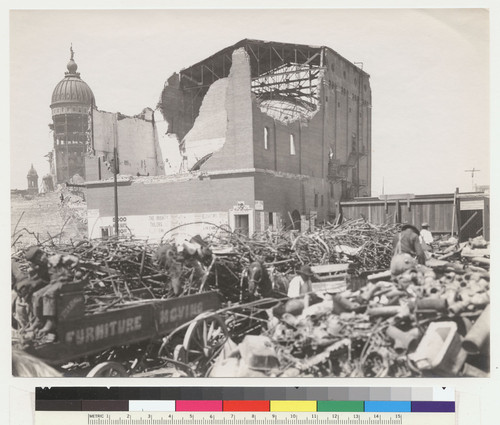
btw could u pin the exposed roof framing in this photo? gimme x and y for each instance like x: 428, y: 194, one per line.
x: 297, y: 84
x: 265, y: 56
x: 286, y: 77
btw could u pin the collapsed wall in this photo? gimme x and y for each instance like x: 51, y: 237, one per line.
x: 296, y: 109
x: 208, y: 133
x: 204, y: 119
x: 213, y: 125
x: 136, y: 141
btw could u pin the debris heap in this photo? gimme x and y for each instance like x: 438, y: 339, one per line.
x: 430, y: 320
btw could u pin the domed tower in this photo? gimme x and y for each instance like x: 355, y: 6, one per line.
x: 72, y: 99
x: 32, y: 181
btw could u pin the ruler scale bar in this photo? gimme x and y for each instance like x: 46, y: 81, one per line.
x: 241, y: 418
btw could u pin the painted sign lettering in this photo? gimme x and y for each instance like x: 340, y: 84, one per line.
x: 181, y: 313
x: 103, y: 331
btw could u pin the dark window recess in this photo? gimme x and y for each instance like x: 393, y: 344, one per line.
x: 350, y: 110
x: 316, y: 200
x: 322, y: 200
x: 331, y: 190
x: 338, y: 104
x: 345, y: 75
x: 271, y: 221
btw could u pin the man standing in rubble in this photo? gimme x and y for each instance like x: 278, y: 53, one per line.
x: 408, y: 242
x: 301, y: 284
x: 426, y: 236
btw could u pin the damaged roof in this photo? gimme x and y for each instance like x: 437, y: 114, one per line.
x: 286, y: 52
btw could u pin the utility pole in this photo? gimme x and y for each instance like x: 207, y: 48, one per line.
x: 472, y: 175
x: 115, y: 186
x: 115, y: 173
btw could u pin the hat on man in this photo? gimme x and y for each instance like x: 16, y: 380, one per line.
x: 410, y: 226
x: 198, y: 239
x: 425, y: 224
x: 306, y: 271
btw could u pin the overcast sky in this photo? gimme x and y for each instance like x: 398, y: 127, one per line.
x: 429, y: 77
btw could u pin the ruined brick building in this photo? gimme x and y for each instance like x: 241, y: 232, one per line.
x: 85, y: 137
x: 270, y: 134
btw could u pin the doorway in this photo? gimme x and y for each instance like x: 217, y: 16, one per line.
x: 242, y: 224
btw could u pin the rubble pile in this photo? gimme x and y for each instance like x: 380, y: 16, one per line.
x: 429, y: 321
x: 115, y: 272
x: 366, y: 246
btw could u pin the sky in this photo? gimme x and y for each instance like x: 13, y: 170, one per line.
x: 429, y: 74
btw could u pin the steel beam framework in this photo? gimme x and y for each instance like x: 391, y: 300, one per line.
x: 285, y: 73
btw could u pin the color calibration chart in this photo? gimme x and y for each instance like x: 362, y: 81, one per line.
x: 245, y: 406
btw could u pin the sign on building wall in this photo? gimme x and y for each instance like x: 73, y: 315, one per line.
x: 159, y: 226
x: 242, y: 218
x: 259, y: 205
x: 241, y: 206
x: 123, y: 229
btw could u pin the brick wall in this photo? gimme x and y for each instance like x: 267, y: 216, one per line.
x: 284, y: 195
x: 237, y: 152
x: 342, y: 123
x: 194, y: 196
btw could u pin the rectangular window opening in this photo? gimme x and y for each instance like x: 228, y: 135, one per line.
x: 271, y: 221
x: 266, y: 138
x: 316, y: 200
x: 292, y: 144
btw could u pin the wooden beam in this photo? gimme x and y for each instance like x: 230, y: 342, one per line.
x: 463, y: 226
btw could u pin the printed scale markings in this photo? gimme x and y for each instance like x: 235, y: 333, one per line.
x: 376, y: 419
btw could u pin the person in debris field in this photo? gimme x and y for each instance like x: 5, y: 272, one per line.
x: 197, y: 249
x: 408, y: 242
x: 301, y: 284
x: 426, y: 235
x: 48, y: 276
x: 198, y: 256
x: 168, y: 260
x: 426, y: 240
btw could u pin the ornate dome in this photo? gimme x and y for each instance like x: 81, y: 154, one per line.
x: 72, y: 90
x: 32, y: 172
